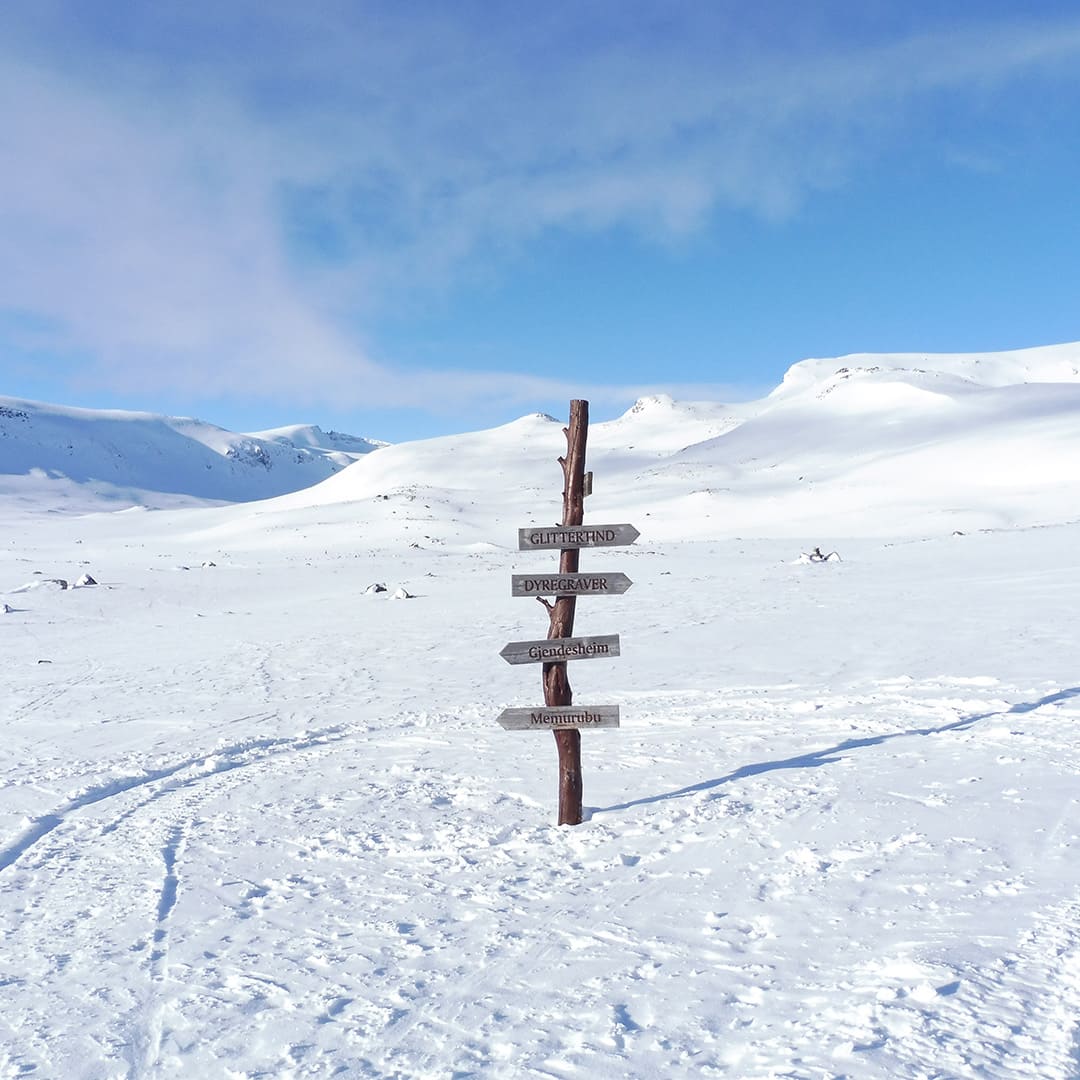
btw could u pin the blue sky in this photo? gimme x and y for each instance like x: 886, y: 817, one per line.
x: 404, y: 219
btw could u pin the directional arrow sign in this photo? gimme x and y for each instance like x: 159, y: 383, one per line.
x: 576, y: 536
x: 560, y: 716
x: 568, y: 584
x: 556, y: 650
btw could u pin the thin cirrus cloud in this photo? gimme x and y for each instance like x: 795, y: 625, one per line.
x: 188, y: 214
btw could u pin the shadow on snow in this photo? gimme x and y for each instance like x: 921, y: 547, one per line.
x: 832, y: 754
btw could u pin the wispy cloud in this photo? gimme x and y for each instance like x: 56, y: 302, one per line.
x: 220, y: 202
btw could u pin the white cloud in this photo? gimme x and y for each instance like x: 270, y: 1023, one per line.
x: 144, y: 204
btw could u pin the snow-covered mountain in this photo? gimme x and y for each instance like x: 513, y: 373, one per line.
x: 861, y: 445
x: 858, y: 445
x: 340, y: 447
x: 94, y: 458
x: 877, y: 445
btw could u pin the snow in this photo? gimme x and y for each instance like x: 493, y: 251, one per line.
x: 255, y: 822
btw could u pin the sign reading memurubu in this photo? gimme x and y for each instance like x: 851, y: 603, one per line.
x: 552, y: 717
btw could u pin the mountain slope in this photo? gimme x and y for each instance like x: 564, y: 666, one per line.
x: 860, y: 445
x: 842, y: 448
x: 92, y: 456
x: 873, y: 445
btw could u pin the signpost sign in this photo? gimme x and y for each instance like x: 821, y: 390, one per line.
x: 559, y: 650
x: 568, y: 584
x: 558, y: 713
x: 553, y: 718
x: 576, y: 537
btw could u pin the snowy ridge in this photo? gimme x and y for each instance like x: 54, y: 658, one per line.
x: 862, y: 445
x: 341, y: 447
x: 890, y: 451
x: 1045, y: 364
x: 91, y: 458
x: 880, y: 449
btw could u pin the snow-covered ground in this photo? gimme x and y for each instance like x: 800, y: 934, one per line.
x: 257, y: 822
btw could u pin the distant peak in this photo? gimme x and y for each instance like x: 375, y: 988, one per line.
x: 652, y: 403
x: 534, y: 418
x: 312, y: 436
x: 1043, y: 364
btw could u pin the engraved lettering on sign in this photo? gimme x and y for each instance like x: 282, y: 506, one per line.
x: 565, y: 718
x: 564, y: 652
x: 564, y: 584
x: 573, y: 537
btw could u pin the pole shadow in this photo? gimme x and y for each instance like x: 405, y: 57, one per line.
x: 828, y: 756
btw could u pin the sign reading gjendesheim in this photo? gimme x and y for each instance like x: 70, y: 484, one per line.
x: 558, y: 650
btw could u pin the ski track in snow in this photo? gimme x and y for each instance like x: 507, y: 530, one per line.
x: 200, y: 768
x: 455, y: 928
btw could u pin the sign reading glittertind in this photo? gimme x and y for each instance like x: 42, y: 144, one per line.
x: 580, y: 536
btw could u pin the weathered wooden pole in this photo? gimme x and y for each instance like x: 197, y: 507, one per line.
x: 559, y: 713
x: 556, y: 684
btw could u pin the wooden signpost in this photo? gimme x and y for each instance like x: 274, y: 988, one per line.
x: 559, y: 714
